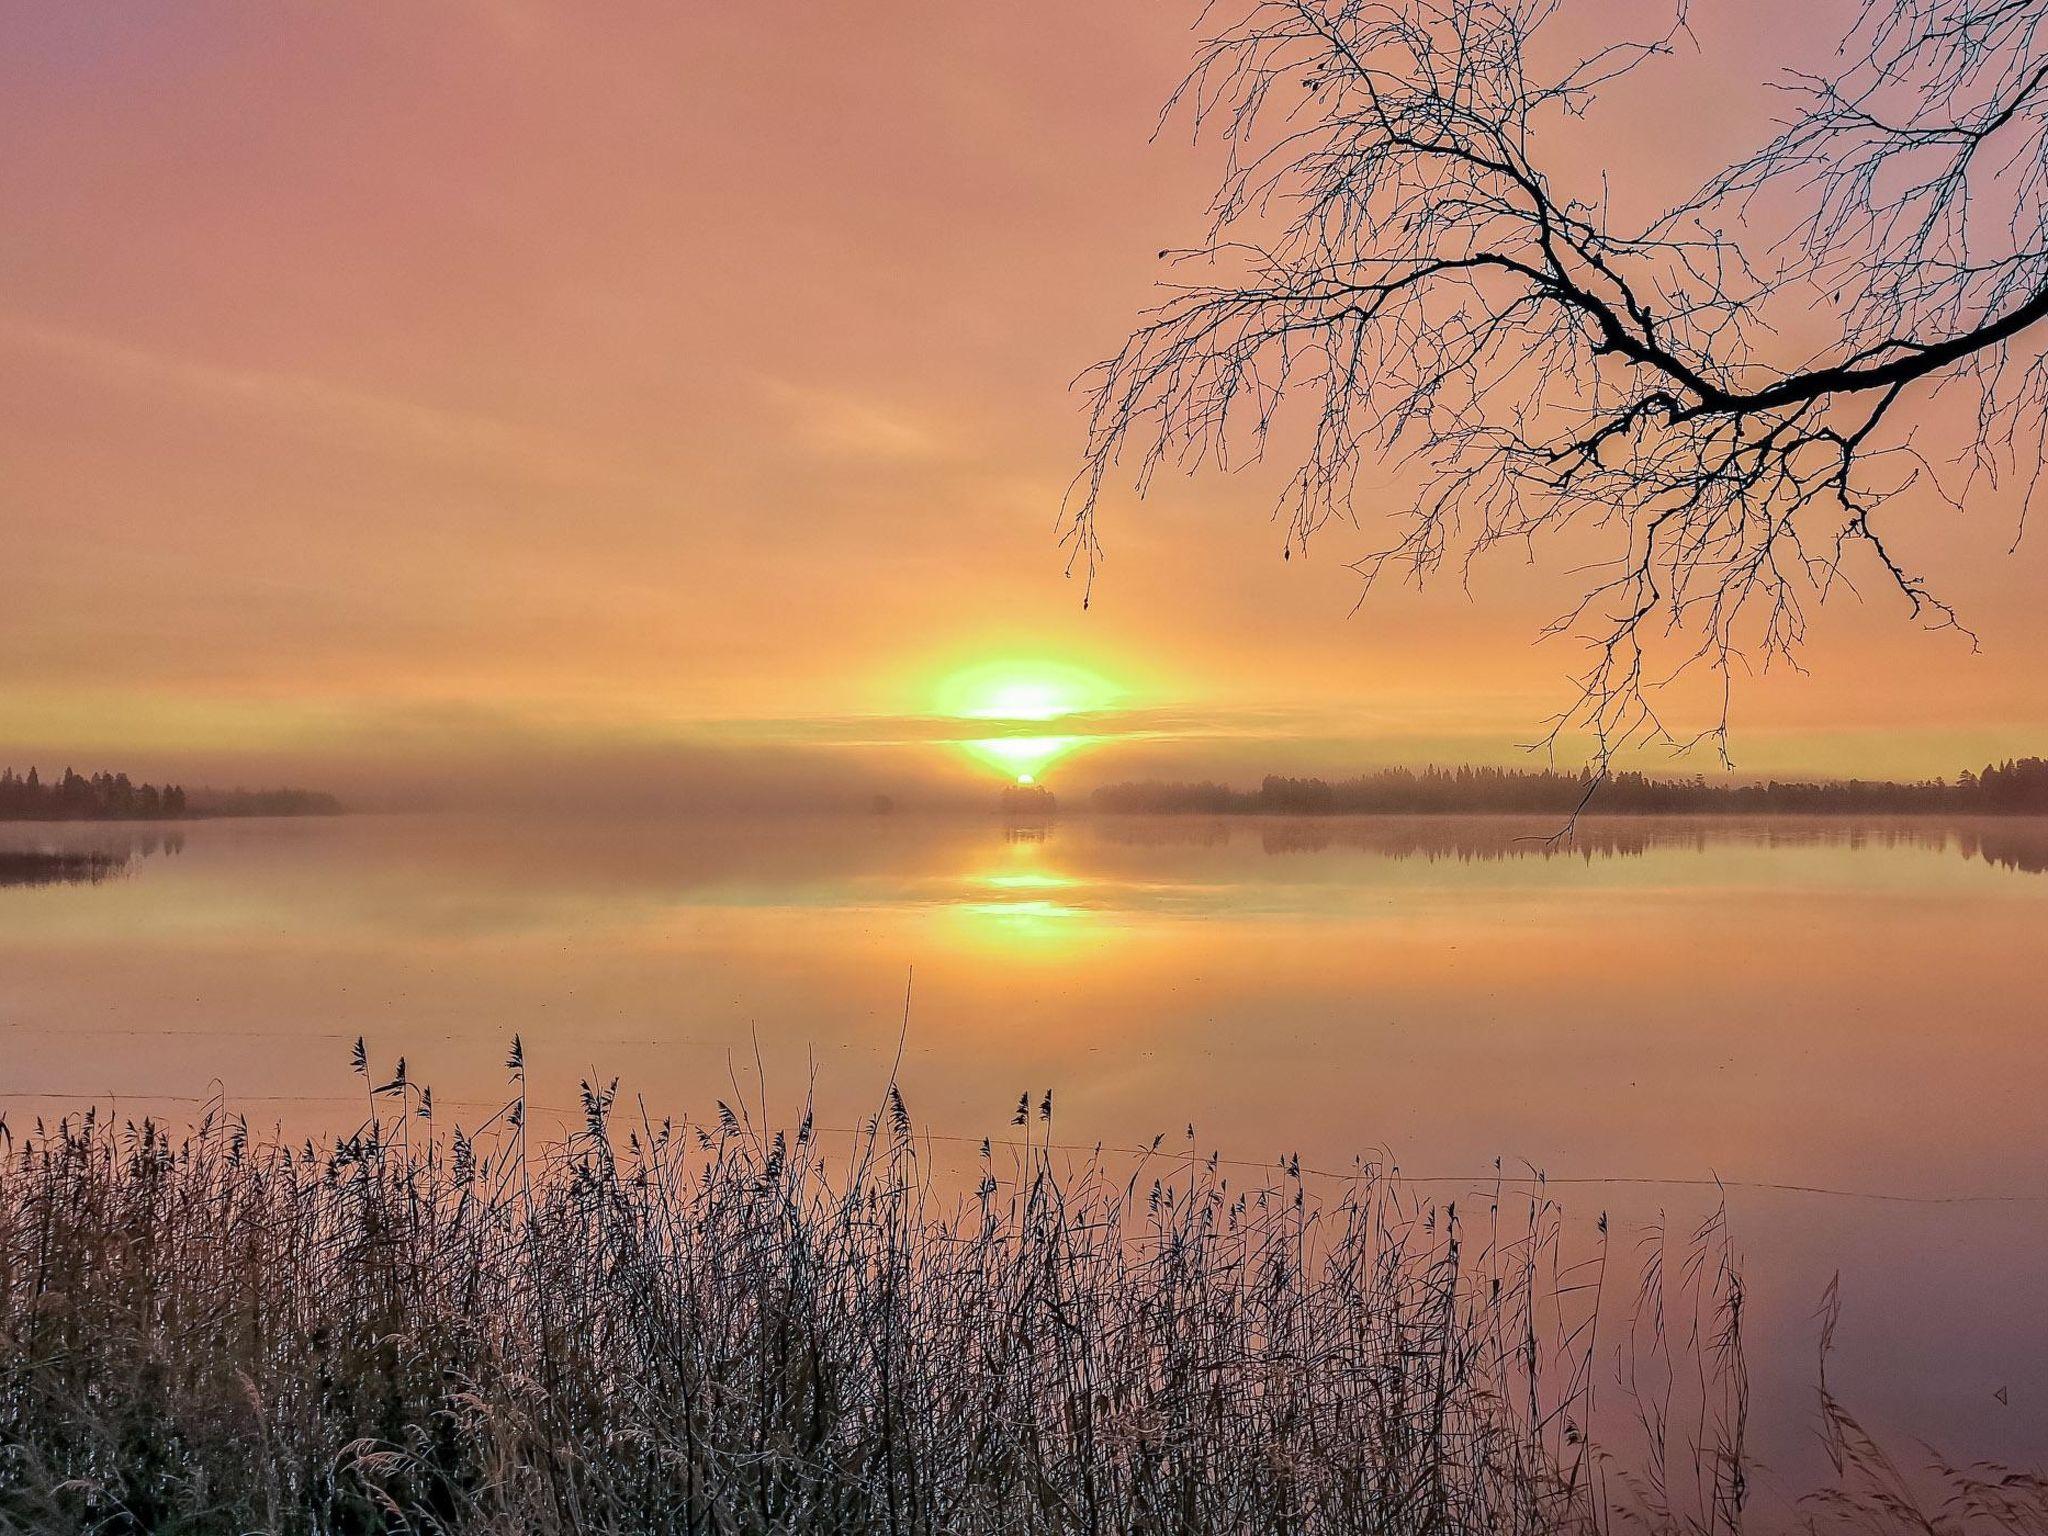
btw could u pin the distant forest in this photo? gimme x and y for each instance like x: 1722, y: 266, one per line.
x: 2011, y: 788
x: 114, y: 797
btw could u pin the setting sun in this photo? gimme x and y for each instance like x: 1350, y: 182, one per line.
x: 1015, y: 700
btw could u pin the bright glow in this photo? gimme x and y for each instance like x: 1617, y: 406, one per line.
x: 1046, y: 929
x: 1022, y: 694
x: 1020, y: 905
x: 1023, y: 701
x: 1022, y: 690
x: 1024, y: 756
x: 1027, y: 880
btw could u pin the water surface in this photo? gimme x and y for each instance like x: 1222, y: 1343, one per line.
x: 1842, y: 1022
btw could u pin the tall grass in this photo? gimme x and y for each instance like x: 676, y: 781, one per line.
x: 647, y: 1327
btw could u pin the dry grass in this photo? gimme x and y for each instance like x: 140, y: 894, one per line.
x: 647, y: 1327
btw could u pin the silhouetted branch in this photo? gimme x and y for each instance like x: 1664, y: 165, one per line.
x: 1391, y: 254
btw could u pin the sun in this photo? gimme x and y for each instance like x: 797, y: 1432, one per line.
x: 1016, y: 701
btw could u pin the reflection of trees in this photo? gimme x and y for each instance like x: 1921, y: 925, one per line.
x: 2009, y: 845
x: 2015, y: 844
x: 1467, y: 842
x: 1027, y: 805
x: 84, y: 863
x: 76, y: 866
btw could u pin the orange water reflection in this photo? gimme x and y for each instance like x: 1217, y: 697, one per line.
x: 1854, y: 1006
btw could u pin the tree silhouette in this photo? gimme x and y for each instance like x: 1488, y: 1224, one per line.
x: 74, y: 797
x: 2013, y: 788
x: 115, y: 797
x: 1396, y: 255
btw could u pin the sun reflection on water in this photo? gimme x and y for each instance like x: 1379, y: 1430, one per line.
x: 1022, y: 904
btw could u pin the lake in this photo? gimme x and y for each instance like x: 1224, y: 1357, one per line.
x: 1841, y: 1022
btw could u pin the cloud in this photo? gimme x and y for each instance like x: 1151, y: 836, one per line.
x: 840, y: 424
x: 1164, y: 723
x: 315, y: 407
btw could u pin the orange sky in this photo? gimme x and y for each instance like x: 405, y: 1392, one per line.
x: 390, y: 386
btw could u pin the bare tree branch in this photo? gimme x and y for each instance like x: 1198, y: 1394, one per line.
x: 1390, y: 255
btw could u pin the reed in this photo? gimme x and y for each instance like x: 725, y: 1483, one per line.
x: 646, y: 1326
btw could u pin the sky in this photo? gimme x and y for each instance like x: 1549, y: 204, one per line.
x: 680, y: 395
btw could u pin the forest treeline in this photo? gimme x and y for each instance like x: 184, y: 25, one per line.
x: 115, y: 797
x: 2015, y: 787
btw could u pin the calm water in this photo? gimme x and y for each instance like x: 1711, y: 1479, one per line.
x: 1855, y: 1008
